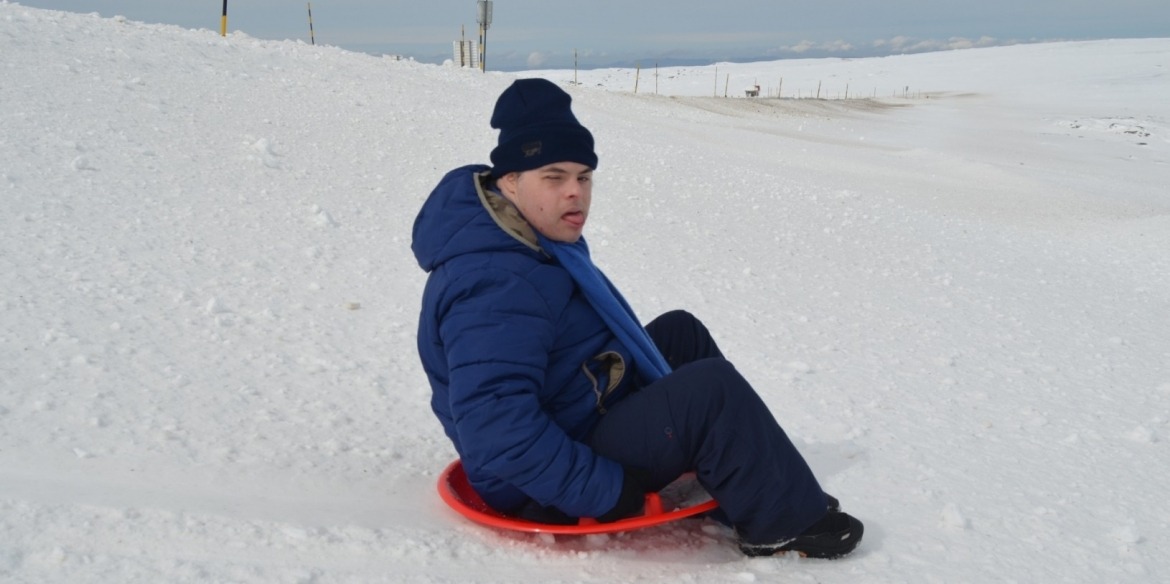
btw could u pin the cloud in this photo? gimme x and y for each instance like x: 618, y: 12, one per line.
x: 889, y: 46
x: 838, y: 46
x: 801, y: 47
x: 536, y: 59
x: 904, y: 44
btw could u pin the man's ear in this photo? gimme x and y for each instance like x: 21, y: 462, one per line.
x: 507, y: 184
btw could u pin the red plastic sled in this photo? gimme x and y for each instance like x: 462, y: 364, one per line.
x: 456, y: 492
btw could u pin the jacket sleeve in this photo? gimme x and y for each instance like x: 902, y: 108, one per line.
x: 497, y: 331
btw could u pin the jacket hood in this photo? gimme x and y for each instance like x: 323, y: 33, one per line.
x: 462, y: 215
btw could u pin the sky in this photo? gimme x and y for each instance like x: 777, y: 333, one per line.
x: 532, y: 34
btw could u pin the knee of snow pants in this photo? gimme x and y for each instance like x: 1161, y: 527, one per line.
x: 682, y: 338
x: 705, y: 417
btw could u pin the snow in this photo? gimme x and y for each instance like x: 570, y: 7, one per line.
x: 954, y: 296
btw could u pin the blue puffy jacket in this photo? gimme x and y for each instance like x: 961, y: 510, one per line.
x: 520, y: 365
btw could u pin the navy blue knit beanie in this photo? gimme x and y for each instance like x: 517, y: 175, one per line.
x: 537, y: 127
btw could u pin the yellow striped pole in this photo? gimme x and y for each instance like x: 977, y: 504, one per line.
x: 223, y: 20
x: 312, y: 40
x: 482, y: 37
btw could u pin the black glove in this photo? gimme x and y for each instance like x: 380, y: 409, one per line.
x: 533, y: 511
x: 632, y: 498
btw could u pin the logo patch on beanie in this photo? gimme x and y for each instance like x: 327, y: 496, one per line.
x: 531, y: 149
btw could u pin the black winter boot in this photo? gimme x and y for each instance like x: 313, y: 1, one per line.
x: 832, y: 503
x: 835, y: 535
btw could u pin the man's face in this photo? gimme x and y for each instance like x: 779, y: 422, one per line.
x: 554, y: 198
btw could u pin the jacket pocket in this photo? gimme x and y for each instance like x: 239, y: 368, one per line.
x: 605, y: 371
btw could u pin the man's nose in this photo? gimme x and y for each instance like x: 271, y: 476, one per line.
x: 572, y: 188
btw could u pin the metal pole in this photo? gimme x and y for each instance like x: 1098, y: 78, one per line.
x: 484, y: 18
x: 312, y: 40
x: 466, y: 55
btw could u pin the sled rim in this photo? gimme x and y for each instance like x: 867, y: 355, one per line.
x: 456, y: 492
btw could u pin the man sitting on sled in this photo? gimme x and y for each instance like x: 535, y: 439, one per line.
x: 559, y: 403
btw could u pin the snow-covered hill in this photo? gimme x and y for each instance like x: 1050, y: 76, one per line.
x: 955, y: 297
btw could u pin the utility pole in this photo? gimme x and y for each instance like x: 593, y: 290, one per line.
x: 223, y: 20
x: 484, y: 18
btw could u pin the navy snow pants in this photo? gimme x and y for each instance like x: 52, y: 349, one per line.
x: 705, y: 417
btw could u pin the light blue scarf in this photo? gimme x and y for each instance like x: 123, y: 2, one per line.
x: 609, y: 303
